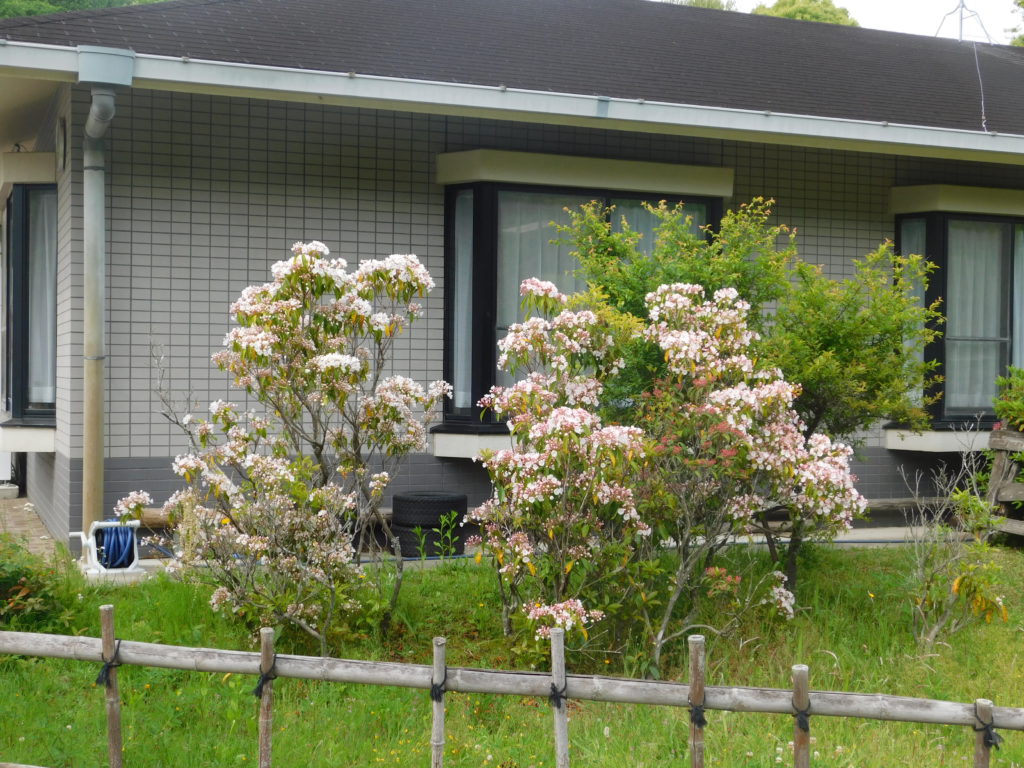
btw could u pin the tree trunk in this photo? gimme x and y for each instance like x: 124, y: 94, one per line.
x: 792, y: 551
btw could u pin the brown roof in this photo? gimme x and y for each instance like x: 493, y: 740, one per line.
x: 620, y: 48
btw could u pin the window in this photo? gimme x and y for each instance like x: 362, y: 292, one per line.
x: 980, y: 281
x: 496, y: 236
x: 30, y: 298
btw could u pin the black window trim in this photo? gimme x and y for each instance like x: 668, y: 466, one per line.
x: 936, y: 243
x: 19, y: 412
x: 485, y: 237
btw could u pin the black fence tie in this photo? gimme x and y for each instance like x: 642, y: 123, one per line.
x: 803, y: 718
x: 991, y: 739
x: 557, y: 697
x: 437, y: 689
x: 265, y: 677
x: 697, y: 715
x: 103, y: 678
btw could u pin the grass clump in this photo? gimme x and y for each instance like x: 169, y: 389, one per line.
x: 852, y: 628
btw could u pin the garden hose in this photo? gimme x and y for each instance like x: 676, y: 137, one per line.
x: 118, y: 546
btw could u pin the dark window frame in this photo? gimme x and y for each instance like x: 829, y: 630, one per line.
x: 16, y: 299
x: 485, y: 266
x: 937, y: 252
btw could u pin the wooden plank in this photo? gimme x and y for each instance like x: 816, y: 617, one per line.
x: 982, y: 751
x: 698, y: 664
x: 1010, y: 492
x: 266, y: 721
x: 901, y: 504
x: 155, y: 517
x: 438, y: 675
x: 1015, y: 527
x: 591, y: 688
x: 559, y: 712
x: 801, y: 710
x: 111, y: 692
x: 1006, y: 440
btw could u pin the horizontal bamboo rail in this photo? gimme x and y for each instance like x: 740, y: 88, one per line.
x: 468, y: 680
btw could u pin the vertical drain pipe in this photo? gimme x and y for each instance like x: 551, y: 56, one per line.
x: 94, y: 352
x: 102, y: 69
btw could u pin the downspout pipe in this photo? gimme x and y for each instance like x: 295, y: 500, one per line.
x: 94, y: 352
x: 103, y: 69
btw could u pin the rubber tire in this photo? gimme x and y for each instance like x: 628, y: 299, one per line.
x: 425, y: 508
x: 431, y: 546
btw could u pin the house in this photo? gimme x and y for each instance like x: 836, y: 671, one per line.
x: 156, y: 159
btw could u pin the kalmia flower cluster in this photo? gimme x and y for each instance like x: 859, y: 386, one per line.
x: 779, y: 598
x: 568, y: 615
x: 132, y: 505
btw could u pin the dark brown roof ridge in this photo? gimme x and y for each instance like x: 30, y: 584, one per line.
x: 624, y: 49
x: 649, y: 5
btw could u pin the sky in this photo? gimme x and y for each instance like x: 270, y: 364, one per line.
x: 923, y: 17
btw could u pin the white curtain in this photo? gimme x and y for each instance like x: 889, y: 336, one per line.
x: 913, y: 240
x: 977, y: 343
x: 525, y: 250
x: 42, y: 301
x: 462, y: 302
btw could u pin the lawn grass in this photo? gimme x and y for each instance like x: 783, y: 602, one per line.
x: 853, y: 632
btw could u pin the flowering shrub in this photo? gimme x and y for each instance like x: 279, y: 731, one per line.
x: 583, y: 510
x: 729, y: 451
x: 280, y: 500
x: 563, y: 517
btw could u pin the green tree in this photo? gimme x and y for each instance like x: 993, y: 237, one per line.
x: 855, y: 347
x: 743, y: 254
x: 808, y: 10
x: 718, y: 5
x: 11, y: 8
x: 1019, y: 39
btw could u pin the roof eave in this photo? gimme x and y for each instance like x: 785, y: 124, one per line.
x: 501, y: 103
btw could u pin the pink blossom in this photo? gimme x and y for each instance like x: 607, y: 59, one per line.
x: 133, y: 503
x: 567, y: 615
x: 531, y: 286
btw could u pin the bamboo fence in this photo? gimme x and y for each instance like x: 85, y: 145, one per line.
x: 800, y: 702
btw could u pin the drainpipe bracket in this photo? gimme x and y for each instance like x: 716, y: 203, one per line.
x: 112, y: 66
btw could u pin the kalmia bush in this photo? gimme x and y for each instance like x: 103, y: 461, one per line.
x: 280, y: 500
x: 583, y: 511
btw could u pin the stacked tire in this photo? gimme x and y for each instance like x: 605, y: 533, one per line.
x: 424, y: 510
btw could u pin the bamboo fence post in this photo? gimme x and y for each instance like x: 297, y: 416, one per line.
x: 801, y: 711
x: 696, y: 700
x: 558, y: 699
x: 265, y: 690
x: 108, y: 676
x: 438, y: 678
x: 985, y: 736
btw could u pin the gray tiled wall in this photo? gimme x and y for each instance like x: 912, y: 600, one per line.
x: 204, y: 193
